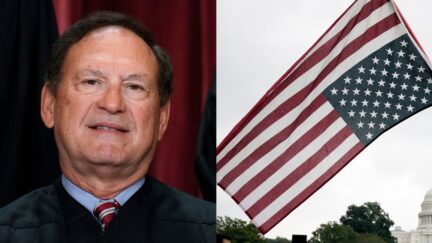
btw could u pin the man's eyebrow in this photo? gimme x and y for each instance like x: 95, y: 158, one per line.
x: 135, y: 77
x: 93, y: 72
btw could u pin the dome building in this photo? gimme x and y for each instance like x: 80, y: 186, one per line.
x: 423, y: 233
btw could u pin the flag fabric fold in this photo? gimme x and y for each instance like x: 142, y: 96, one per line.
x: 366, y: 74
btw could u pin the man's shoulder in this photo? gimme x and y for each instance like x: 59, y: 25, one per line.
x: 33, y: 210
x: 173, y: 204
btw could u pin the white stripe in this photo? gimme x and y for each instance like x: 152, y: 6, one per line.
x: 356, y: 8
x: 308, y: 179
x: 337, y: 27
x: 277, y: 126
x: 264, y: 161
x: 297, y: 85
x: 293, y: 163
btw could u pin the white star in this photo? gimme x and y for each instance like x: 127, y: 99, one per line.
x: 358, y: 80
x: 421, y: 69
x: 387, y: 62
x: 427, y: 90
x: 429, y: 80
x: 384, y: 72
x: 404, y: 86
x: 412, y: 57
x: 418, y: 78
x: 345, y: 91
x: 384, y: 115
x: 404, y: 43
x: 389, y: 51
x: 362, y: 113
x: 398, y: 107
x: 360, y: 124
x: 401, y: 53
x: 392, y: 85
x: 409, y: 66
x: 342, y: 102
x: 353, y: 102
x: 410, y: 108
x: 371, y: 125
x: 351, y: 113
x: 382, y: 125
x: 334, y: 91
x: 416, y: 88
x: 369, y: 135
x: 401, y: 96
x: 407, y: 76
x: 395, y: 75
x: 424, y: 100
x: 376, y: 103
x: 361, y: 69
x: 367, y: 92
x: 398, y: 64
x: 381, y: 82
x: 387, y: 104
x: 373, y: 114
x: 413, y: 98
x: 390, y: 95
x: 372, y: 71
x: 395, y: 117
x: 356, y: 91
x: 365, y: 103
x: 370, y: 81
x: 378, y: 93
x: 347, y: 80
x: 375, y: 60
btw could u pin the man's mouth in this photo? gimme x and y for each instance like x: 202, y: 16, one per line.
x: 108, y: 127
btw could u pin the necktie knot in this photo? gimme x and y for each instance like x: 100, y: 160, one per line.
x: 105, y: 212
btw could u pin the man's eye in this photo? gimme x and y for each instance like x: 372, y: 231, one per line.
x: 135, y: 87
x: 90, y: 82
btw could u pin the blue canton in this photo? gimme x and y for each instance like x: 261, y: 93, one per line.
x: 383, y: 89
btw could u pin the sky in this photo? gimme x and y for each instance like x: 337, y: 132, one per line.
x: 257, y: 41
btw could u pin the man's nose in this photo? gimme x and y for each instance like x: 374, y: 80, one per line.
x: 112, y: 100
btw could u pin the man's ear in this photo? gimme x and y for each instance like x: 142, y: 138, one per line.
x: 163, y: 118
x: 47, y: 107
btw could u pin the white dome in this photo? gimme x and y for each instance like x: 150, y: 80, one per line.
x: 428, y: 195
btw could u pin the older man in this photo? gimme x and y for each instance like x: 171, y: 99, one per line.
x: 107, y: 99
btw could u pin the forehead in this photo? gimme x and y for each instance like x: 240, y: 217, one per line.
x: 113, y: 48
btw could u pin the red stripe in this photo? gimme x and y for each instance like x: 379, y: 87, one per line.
x: 287, y: 209
x: 322, y: 52
x: 273, y: 142
x: 300, y: 171
x: 280, y: 111
x: 351, y: 48
x: 288, y: 154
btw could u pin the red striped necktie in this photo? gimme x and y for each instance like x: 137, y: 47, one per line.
x: 105, y: 212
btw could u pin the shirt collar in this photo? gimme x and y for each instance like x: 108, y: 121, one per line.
x: 89, y: 201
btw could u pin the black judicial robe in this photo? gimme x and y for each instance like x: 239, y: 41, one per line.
x: 155, y: 213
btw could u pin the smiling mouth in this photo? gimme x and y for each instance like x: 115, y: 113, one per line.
x: 108, y: 128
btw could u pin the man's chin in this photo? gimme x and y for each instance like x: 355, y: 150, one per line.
x: 108, y: 156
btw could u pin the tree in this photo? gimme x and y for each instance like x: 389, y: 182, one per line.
x: 369, y: 218
x: 238, y: 230
x: 278, y: 240
x: 332, y: 232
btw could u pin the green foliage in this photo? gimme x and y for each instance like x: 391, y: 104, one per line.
x: 369, y: 218
x: 239, y: 230
x: 278, y: 240
x: 333, y: 232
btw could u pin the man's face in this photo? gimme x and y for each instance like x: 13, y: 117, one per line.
x: 106, y: 112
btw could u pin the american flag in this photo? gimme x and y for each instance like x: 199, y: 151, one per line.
x: 366, y: 74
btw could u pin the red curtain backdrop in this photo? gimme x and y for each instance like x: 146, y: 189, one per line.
x: 187, y: 30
